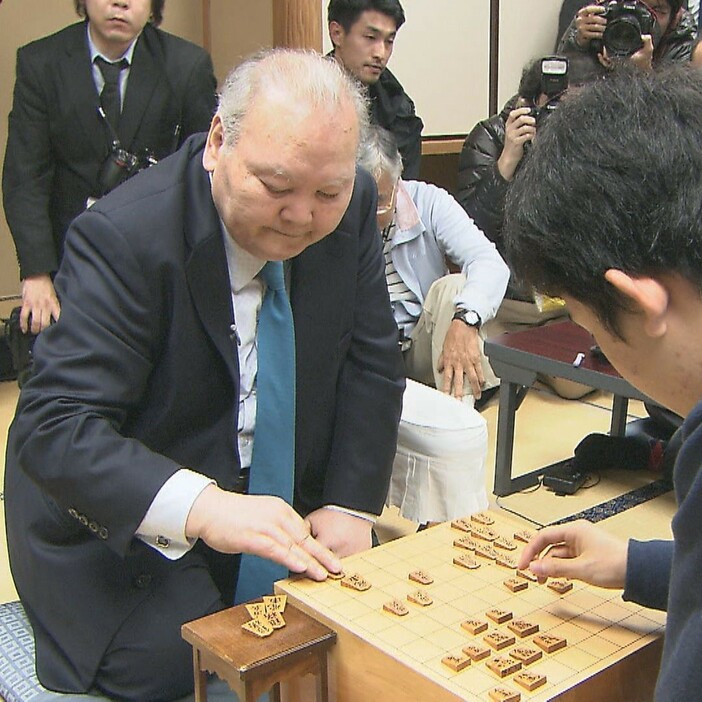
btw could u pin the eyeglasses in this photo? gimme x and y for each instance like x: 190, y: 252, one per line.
x: 384, y: 208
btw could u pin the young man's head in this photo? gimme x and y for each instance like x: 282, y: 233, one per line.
x: 114, y: 24
x: 607, y: 213
x: 363, y: 33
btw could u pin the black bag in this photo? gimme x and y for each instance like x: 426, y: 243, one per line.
x: 21, y: 346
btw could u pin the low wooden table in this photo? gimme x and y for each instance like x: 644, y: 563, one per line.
x: 252, y: 665
x: 518, y: 357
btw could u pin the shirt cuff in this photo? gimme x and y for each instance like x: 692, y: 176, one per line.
x: 367, y: 516
x: 163, y: 526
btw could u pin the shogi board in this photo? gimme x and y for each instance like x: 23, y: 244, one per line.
x: 612, y: 653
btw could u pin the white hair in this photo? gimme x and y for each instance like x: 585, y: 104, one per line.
x: 303, y: 77
x: 379, y: 154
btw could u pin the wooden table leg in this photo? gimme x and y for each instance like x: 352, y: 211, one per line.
x: 200, y: 677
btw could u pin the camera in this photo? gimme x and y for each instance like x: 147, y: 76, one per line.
x: 20, y: 348
x: 554, y: 82
x: 120, y: 164
x: 627, y: 20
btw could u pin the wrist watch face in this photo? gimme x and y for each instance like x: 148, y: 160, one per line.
x: 470, y: 317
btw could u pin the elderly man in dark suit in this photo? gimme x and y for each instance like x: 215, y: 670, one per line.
x: 129, y: 457
x: 59, y: 144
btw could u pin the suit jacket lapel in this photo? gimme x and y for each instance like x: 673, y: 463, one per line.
x: 206, y: 268
x: 144, y: 76
x: 80, y: 88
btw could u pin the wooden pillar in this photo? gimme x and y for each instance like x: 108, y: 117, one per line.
x: 297, y: 24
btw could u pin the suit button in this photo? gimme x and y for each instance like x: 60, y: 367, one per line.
x: 103, y: 533
x: 93, y: 527
x: 73, y: 512
x: 83, y: 519
x: 142, y: 581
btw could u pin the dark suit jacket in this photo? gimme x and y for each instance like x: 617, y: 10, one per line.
x: 140, y: 377
x: 57, y: 141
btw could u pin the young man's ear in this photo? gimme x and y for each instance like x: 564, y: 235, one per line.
x: 336, y: 33
x: 647, y: 295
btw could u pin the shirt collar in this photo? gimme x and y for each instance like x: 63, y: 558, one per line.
x: 95, y: 52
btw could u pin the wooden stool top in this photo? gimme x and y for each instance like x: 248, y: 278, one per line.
x: 220, y: 636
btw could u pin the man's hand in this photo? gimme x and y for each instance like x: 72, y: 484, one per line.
x: 578, y: 550
x: 519, y: 128
x: 642, y: 59
x: 340, y: 532
x: 589, y: 24
x: 461, y: 354
x: 39, y: 302
x: 261, y: 525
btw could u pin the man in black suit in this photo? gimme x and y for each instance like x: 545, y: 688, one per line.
x: 129, y: 451
x: 58, y: 142
x: 363, y: 34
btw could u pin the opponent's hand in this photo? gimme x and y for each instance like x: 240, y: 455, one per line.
x: 589, y: 24
x: 39, y: 302
x: 461, y: 354
x: 578, y: 550
x: 519, y: 129
x: 260, y: 525
x: 340, y: 532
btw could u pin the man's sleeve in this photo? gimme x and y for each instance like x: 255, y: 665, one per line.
x: 648, y: 573
x: 28, y: 173
x: 408, y: 132
x: 71, y: 431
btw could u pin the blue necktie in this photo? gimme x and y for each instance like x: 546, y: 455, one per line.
x: 273, y: 459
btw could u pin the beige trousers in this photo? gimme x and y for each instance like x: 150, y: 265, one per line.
x: 422, y: 358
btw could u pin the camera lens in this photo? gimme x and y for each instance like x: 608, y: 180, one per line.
x: 622, y: 36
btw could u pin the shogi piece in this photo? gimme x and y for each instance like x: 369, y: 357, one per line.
x: 484, y: 550
x: 483, y: 532
x: 337, y: 576
x: 502, y: 667
x: 456, y: 662
x: 505, y: 560
x: 516, y: 584
x: 356, y: 582
x: 399, y: 609
x: 461, y: 524
x: 476, y: 652
x: 526, y: 654
x: 465, y: 542
x: 419, y: 597
x: 560, y: 585
x: 498, y: 640
x: 482, y: 518
x: 505, y: 544
x: 527, y: 575
x: 523, y: 628
x: 504, y: 694
x: 550, y: 643
x: 466, y: 561
x: 499, y: 616
x: 253, y: 666
x: 523, y: 535
x: 475, y: 626
x: 530, y: 680
x: 421, y: 577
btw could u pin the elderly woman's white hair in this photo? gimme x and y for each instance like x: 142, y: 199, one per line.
x: 379, y: 154
x: 302, y: 77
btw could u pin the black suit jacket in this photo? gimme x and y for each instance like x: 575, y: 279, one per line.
x: 140, y: 377
x: 57, y: 142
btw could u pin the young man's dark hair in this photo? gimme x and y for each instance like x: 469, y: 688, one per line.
x: 156, y: 10
x: 346, y: 12
x: 598, y: 195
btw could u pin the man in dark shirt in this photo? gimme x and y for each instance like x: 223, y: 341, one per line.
x: 608, y: 218
x: 363, y: 33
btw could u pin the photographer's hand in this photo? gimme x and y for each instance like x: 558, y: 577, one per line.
x: 39, y: 302
x: 643, y: 58
x: 589, y: 24
x: 520, y: 128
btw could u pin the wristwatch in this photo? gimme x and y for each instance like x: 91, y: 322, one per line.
x: 469, y: 317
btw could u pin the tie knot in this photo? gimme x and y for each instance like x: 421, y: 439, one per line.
x: 273, y: 275
x: 110, y: 71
